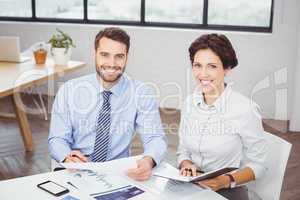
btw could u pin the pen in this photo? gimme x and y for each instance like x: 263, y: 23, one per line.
x: 72, y: 185
x: 200, y: 171
x: 74, y: 155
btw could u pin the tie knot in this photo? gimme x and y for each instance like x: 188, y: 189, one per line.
x: 106, y: 95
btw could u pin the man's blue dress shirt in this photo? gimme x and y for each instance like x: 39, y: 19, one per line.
x: 133, y: 109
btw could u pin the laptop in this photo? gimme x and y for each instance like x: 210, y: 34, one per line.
x: 10, y: 49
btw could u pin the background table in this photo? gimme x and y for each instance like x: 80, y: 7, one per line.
x: 17, y: 76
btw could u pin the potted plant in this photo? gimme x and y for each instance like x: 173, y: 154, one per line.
x: 61, y: 47
x: 40, y: 54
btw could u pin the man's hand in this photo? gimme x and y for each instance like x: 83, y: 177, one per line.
x: 143, y: 170
x: 217, y: 183
x: 75, y: 156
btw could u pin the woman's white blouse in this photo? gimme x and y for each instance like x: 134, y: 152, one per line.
x: 228, y: 133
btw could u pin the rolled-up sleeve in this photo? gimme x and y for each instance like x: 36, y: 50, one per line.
x: 149, y: 126
x: 60, y: 134
x: 182, y: 152
x: 254, y: 142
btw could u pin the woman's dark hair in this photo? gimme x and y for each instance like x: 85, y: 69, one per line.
x: 113, y: 33
x: 219, y: 44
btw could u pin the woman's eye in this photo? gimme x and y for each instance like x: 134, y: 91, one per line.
x: 196, y: 65
x: 212, y: 66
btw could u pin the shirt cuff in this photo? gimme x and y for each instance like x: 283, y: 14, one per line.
x: 157, y: 157
x: 59, y: 150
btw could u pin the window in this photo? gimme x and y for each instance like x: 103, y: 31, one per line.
x: 127, y: 10
x: 8, y: 8
x: 242, y: 15
x: 66, y: 9
x: 174, y: 11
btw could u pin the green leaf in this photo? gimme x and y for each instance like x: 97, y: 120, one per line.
x: 61, y: 40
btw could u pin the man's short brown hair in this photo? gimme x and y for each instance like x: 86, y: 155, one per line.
x: 113, y: 33
x: 219, y: 44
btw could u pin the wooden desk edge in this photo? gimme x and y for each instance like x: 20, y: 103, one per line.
x: 39, y: 81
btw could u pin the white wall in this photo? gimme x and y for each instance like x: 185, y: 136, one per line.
x: 295, y: 112
x: 160, y: 55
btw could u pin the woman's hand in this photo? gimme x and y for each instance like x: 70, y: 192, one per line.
x: 217, y: 183
x: 188, y: 168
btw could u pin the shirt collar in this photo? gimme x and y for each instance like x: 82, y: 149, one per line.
x: 116, y: 89
x: 219, y: 104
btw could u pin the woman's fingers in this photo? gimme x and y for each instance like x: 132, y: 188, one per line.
x: 194, y: 171
x: 188, y: 172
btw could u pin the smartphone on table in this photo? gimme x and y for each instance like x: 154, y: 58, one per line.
x: 53, y: 188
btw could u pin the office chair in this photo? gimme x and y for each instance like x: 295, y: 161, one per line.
x: 269, y: 186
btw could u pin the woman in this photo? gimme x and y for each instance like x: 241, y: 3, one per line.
x: 219, y: 126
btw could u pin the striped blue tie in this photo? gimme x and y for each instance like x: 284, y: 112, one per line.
x: 102, y: 130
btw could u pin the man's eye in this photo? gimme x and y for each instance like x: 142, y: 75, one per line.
x: 120, y: 56
x: 104, y: 54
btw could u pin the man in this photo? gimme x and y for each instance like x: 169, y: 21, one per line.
x: 94, y: 117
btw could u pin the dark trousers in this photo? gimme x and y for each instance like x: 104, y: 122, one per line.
x: 238, y: 193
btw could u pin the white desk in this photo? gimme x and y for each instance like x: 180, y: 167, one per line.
x: 26, y: 187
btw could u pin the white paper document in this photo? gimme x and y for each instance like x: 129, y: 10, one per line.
x: 167, y: 189
x: 166, y: 170
x: 118, y: 166
x: 102, y: 180
x: 94, y: 182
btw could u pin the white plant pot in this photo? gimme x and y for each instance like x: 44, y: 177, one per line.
x: 60, y: 56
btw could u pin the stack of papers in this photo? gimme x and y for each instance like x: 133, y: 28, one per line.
x: 106, y: 181
x: 103, y: 181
